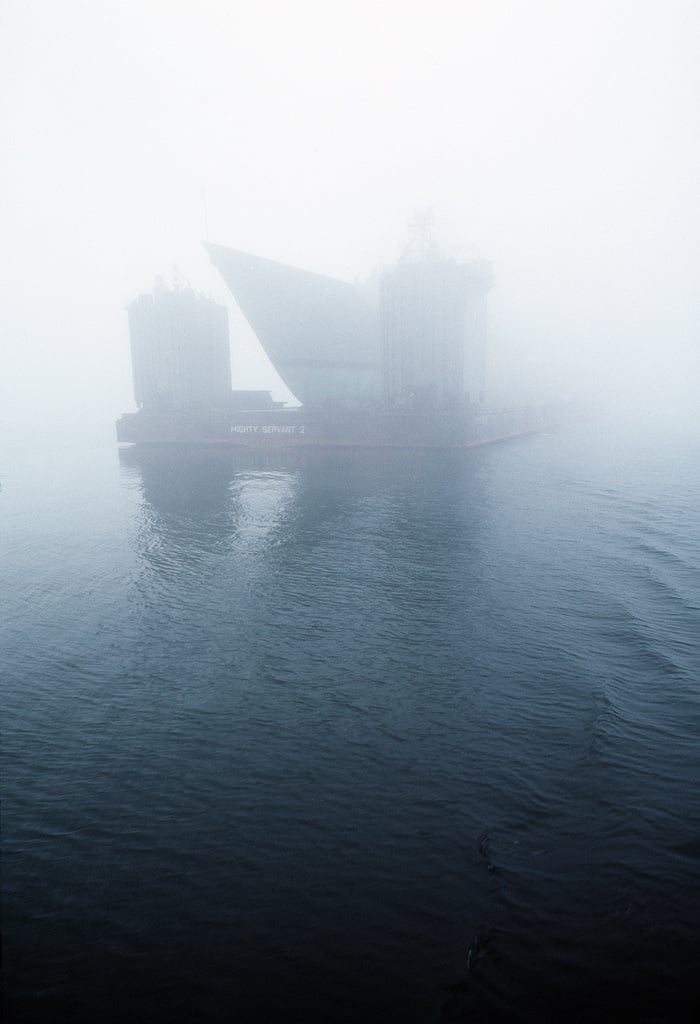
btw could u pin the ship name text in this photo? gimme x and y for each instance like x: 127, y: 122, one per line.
x: 267, y: 428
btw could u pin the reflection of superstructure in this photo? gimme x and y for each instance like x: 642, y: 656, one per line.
x: 403, y: 370
x: 180, y: 351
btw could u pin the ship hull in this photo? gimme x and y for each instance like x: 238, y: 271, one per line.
x: 298, y: 429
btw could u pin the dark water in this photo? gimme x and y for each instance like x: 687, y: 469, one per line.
x: 353, y: 738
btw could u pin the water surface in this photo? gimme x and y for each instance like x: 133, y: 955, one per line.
x: 355, y: 737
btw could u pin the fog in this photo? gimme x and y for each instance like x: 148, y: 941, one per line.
x: 307, y: 730
x: 557, y: 139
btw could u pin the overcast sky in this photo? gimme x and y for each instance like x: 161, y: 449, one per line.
x: 557, y: 139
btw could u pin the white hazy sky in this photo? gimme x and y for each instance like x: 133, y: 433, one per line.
x: 558, y: 139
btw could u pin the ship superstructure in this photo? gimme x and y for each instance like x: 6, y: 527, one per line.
x: 433, y: 329
x: 180, y: 351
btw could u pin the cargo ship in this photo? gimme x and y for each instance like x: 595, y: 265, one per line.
x: 398, y: 364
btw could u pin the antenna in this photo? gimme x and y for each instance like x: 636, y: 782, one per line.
x: 421, y: 245
x: 179, y: 279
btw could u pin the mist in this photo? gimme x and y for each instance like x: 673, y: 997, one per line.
x: 557, y: 140
x: 384, y: 708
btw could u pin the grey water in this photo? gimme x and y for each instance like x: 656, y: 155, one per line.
x: 352, y: 737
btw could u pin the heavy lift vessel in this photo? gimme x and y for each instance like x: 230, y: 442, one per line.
x: 401, y: 364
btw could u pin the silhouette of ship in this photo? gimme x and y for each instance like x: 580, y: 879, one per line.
x: 399, y: 364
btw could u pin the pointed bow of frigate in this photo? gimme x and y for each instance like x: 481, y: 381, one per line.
x: 321, y: 334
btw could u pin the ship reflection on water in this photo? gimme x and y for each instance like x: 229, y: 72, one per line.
x: 207, y: 499
x: 223, y: 496
x: 291, y: 600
